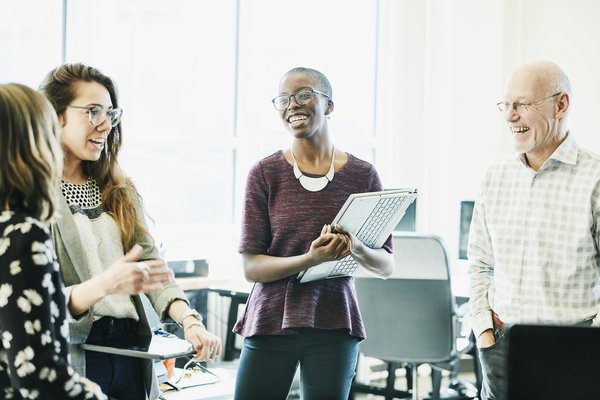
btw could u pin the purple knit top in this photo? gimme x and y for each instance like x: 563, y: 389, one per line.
x: 281, y: 218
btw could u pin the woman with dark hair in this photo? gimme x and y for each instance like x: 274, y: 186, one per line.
x: 291, y: 197
x: 33, y: 327
x: 101, y: 235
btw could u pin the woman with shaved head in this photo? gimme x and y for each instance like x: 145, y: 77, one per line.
x: 291, y: 197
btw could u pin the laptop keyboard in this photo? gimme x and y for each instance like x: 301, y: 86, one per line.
x: 378, y: 218
x: 369, y: 233
x: 346, y: 266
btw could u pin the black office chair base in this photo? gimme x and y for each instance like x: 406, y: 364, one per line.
x: 458, y: 390
x: 465, y: 389
x: 380, y: 391
x: 452, y: 396
x: 389, y: 392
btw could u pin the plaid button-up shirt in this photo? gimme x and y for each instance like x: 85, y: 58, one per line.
x: 533, y: 244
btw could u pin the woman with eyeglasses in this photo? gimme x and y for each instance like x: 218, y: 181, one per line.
x: 33, y: 327
x: 291, y: 197
x: 105, y: 251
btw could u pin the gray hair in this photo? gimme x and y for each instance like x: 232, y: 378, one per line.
x: 550, y: 76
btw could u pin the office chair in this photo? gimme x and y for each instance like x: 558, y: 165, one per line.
x: 411, y: 317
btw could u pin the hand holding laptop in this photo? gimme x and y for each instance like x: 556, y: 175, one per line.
x: 352, y: 240
x: 367, y: 219
x: 332, y: 244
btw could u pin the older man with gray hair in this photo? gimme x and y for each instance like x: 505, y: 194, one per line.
x: 533, y: 247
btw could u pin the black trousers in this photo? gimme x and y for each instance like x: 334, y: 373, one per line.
x: 120, y: 377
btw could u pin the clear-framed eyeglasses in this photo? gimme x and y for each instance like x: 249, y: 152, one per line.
x: 303, y: 97
x: 99, y: 114
x: 519, y: 106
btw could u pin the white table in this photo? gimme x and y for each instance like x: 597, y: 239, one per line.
x: 214, y: 391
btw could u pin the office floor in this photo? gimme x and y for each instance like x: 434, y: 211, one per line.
x: 424, y: 383
x: 378, y: 377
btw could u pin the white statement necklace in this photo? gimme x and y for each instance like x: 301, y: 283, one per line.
x: 313, y: 184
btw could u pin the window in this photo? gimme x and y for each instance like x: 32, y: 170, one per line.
x: 30, y: 43
x: 173, y: 63
x: 195, y: 80
x: 330, y: 36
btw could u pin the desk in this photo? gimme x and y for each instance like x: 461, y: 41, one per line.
x: 195, y: 289
x: 215, y: 391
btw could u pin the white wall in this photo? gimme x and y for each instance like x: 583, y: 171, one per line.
x: 446, y: 62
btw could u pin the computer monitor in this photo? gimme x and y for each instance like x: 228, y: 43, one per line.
x: 553, y: 362
x: 466, y: 213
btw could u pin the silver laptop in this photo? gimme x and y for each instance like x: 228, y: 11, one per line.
x: 153, y: 347
x: 371, y: 217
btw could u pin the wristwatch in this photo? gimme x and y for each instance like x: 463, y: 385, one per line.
x: 191, y: 313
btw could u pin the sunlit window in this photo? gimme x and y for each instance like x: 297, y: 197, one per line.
x: 174, y: 64
x: 30, y: 43
x: 330, y: 36
x: 195, y: 80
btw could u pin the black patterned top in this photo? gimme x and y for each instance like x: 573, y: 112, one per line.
x: 83, y: 198
x: 100, y: 236
x: 33, y: 327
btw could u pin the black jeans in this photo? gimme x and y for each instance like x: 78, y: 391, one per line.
x: 327, y: 360
x: 120, y: 377
x: 493, y: 367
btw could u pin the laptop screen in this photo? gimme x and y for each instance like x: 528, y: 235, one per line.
x: 553, y: 362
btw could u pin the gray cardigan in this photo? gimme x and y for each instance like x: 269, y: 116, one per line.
x: 74, y: 270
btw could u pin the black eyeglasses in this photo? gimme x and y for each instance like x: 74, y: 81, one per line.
x: 98, y: 114
x: 519, y: 106
x: 302, y: 98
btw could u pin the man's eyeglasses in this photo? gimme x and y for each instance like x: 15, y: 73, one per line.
x: 519, y: 106
x: 302, y: 98
x: 98, y: 114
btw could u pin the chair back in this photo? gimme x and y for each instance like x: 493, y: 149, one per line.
x: 409, y: 317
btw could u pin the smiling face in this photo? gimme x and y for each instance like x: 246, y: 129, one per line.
x: 304, y: 121
x: 82, y: 141
x: 536, y: 131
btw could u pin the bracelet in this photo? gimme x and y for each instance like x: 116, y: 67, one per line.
x: 186, y: 316
x: 200, y: 324
x: 190, y: 313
